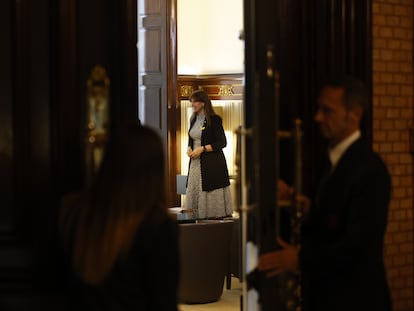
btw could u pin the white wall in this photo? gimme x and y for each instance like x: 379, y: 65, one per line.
x: 207, y: 34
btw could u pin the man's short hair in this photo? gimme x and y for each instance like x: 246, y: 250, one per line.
x: 355, y: 91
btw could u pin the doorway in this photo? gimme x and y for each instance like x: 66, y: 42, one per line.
x: 210, y: 57
x: 288, y: 47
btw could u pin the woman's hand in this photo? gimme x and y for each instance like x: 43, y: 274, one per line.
x: 196, y: 152
x: 189, y: 151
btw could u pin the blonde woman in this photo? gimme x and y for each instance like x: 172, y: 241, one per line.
x: 121, y: 242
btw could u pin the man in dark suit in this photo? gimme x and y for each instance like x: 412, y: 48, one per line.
x: 341, y: 254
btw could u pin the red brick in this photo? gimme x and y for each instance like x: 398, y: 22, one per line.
x: 379, y: 66
x: 407, y: 90
x: 393, y: 135
x: 404, y: 134
x: 386, y: 9
x: 407, y: 226
x: 386, y: 78
x: 379, y: 20
x: 386, y: 101
x: 400, y: 33
x: 400, y: 237
x: 384, y: 55
x: 405, y: 22
x: 406, y: 68
x: 396, y: 181
x: 393, y: 90
x: 385, y: 147
x: 399, y: 78
x: 394, y: 206
x: 406, y: 203
x: 393, y: 66
x: 399, y: 260
x: 407, y: 113
x: 406, y: 271
x: 402, y: 10
x: 409, y: 190
x: 406, y: 293
x: 393, y: 227
x: 392, y: 158
x: 390, y: 20
x: 380, y: 90
x: 406, y: 248
x: 388, y: 240
x: 406, y: 45
x: 392, y: 273
x: 400, y: 124
x: 393, y: 113
x: 393, y: 44
x: 399, y: 147
x: 400, y: 101
x: 393, y: 101
x: 400, y: 305
x: 387, y: 124
x: 406, y: 181
x: 380, y: 136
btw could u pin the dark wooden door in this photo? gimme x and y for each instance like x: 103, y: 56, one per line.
x: 290, y: 47
x: 262, y: 118
x: 48, y: 51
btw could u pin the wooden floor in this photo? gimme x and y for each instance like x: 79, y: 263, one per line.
x: 230, y: 300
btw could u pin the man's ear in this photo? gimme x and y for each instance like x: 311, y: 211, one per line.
x: 356, y: 113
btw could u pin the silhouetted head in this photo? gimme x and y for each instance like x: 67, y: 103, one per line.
x: 133, y: 166
x: 201, y: 104
x: 129, y: 189
x: 341, y: 104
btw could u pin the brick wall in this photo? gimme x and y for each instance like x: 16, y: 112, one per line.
x: 392, y: 118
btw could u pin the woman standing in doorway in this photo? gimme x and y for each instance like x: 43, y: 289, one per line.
x: 208, y: 182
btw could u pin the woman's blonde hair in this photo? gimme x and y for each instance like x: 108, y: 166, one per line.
x: 130, y: 185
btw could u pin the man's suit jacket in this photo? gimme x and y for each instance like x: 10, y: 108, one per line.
x: 341, y: 256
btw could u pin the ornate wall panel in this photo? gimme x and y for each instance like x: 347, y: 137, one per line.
x: 152, y: 64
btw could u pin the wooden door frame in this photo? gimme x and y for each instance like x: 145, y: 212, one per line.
x: 173, y: 104
x: 331, y: 36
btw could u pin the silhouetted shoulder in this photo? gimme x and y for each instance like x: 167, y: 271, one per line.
x: 70, y: 203
x: 216, y: 118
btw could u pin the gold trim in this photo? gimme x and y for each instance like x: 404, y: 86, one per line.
x: 98, y: 101
x: 226, y: 90
x: 219, y: 85
x: 97, y: 119
x: 186, y: 90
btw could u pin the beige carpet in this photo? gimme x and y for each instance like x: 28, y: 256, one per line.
x: 229, y: 301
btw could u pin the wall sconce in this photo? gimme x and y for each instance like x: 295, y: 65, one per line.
x: 97, y: 120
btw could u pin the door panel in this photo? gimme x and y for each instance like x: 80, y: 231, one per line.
x: 261, y: 41
x: 152, y: 64
x: 304, y: 42
x: 6, y: 129
x: 49, y: 50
